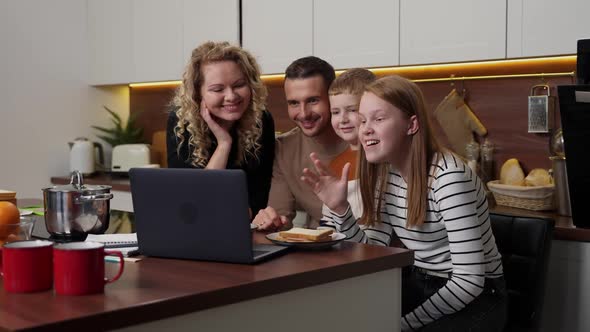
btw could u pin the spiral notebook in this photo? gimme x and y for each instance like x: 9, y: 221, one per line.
x: 114, y: 241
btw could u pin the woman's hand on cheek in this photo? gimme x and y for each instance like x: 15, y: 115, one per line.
x: 220, y: 133
x: 330, y: 189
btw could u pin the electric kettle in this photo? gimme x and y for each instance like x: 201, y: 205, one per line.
x: 82, y: 155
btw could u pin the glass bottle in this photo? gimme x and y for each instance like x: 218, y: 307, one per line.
x: 472, y: 155
x: 487, y: 161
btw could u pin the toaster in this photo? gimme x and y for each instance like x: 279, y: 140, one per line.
x: 126, y: 156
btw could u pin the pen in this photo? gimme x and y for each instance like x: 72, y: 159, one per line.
x: 111, y: 259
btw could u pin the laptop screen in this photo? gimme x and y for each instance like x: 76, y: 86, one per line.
x: 195, y: 214
x: 192, y: 213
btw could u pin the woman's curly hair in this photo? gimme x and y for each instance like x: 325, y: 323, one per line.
x: 187, y: 102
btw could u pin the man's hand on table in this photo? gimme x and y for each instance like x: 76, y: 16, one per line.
x: 269, y: 220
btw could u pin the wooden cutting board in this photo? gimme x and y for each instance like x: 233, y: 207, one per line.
x: 458, y: 122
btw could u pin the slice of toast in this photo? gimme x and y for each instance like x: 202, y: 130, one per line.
x: 316, y: 235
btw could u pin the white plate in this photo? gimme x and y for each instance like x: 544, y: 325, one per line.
x: 336, y: 237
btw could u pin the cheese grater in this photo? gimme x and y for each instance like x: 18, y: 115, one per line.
x: 540, y: 110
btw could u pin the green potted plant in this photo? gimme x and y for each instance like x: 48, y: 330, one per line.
x: 121, y: 133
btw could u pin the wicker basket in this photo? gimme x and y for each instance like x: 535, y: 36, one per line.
x: 531, y: 198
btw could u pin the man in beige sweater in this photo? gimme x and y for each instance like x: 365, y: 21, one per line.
x: 306, y: 88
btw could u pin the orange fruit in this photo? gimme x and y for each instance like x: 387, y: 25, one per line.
x: 9, y: 214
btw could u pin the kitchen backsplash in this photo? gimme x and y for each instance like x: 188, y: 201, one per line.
x: 501, y: 105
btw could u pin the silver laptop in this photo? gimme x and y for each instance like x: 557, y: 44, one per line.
x: 195, y: 214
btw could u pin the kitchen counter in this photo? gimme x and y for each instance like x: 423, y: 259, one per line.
x: 565, y: 229
x: 118, y: 182
x: 335, y: 289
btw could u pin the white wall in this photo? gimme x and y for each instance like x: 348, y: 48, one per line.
x: 44, y: 98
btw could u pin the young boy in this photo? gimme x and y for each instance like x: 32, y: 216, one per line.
x: 345, y: 95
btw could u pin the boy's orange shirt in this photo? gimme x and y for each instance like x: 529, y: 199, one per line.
x: 348, y: 156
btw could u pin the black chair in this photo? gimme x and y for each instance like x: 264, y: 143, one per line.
x: 524, y: 244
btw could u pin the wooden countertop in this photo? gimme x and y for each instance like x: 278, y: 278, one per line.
x: 118, y: 182
x: 565, y: 229
x: 153, y: 288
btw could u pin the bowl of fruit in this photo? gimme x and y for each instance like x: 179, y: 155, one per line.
x: 13, y: 227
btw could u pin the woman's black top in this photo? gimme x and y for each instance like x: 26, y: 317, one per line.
x: 258, y: 170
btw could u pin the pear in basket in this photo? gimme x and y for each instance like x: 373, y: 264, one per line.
x: 538, y: 177
x: 511, y: 173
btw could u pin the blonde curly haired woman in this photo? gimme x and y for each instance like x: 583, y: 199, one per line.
x: 219, y: 119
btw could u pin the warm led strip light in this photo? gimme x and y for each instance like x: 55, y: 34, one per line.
x: 490, y: 77
x: 155, y: 84
x: 462, y: 65
x: 421, y: 69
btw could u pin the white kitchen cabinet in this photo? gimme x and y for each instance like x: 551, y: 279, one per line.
x: 351, y: 34
x: 215, y: 20
x: 346, y: 34
x: 277, y: 32
x: 157, y: 40
x: 109, y: 41
x: 545, y: 27
x: 151, y: 40
x: 433, y: 31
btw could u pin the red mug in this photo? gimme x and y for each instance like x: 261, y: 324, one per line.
x: 78, y: 268
x: 26, y: 266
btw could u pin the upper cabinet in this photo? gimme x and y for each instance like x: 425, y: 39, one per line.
x: 356, y: 33
x: 109, y: 41
x: 433, y: 31
x: 545, y: 27
x: 277, y: 32
x: 151, y: 40
x: 204, y: 20
x: 157, y: 40
x: 344, y: 33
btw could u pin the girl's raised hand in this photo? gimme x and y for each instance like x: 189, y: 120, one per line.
x: 221, y: 134
x: 331, y: 190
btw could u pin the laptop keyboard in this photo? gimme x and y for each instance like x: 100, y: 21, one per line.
x: 257, y: 253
